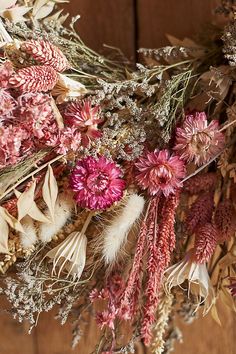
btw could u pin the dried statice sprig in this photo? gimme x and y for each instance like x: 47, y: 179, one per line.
x: 229, y: 39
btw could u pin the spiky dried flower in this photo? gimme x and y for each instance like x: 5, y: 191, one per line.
x: 197, y: 275
x: 201, y: 183
x: 34, y: 79
x: 224, y: 219
x: 67, y: 89
x: 197, y: 140
x: 205, y: 242
x: 97, y: 183
x: 200, y: 212
x: 46, y: 53
x: 158, y: 172
x: 85, y: 118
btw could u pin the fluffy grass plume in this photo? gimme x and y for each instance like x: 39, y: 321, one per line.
x: 115, y: 234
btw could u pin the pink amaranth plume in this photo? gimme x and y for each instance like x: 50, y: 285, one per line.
x: 197, y: 140
x: 45, y: 53
x: 85, y: 118
x: 159, y: 172
x: 97, y: 183
x: 34, y: 79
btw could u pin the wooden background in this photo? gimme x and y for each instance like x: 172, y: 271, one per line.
x: 127, y: 24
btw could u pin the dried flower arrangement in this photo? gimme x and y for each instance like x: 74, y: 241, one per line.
x: 117, y: 185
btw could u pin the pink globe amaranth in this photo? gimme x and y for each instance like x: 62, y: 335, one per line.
x: 198, y: 140
x: 97, y: 183
x: 158, y: 172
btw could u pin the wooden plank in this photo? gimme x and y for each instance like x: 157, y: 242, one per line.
x: 180, y: 18
x: 106, y: 21
x: 14, y: 337
x: 205, y: 336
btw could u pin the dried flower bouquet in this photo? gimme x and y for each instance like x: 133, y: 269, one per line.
x: 117, y: 185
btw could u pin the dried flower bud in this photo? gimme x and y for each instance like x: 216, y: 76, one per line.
x: 34, y: 79
x: 205, y: 242
x: 201, y: 183
x: 200, y: 212
x: 224, y: 220
x: 46, y: 53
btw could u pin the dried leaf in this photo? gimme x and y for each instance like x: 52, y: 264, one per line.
x: 16, y: 14
x: 13, y: 222
x: 50, y: 191
x: 25, y: 201
x: 215, y: 316
x: 4, y: 231
x: 44, y: 10
x: 227, y: 299
x: 5, y: 4
x: 27, y: 206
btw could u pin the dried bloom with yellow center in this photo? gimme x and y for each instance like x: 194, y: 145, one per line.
x: 198, y: 140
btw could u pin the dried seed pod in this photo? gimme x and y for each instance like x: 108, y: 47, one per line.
x: 45, y: 53
x: 201, y: 183
x: 200, y: 212
x: 205, y: 242
x: 34, y: 79
x: 225, y: 220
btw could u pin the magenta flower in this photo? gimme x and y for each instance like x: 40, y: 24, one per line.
x: 197, y: 140
x: 85, y: 118
x: 97, y: 183
x: 159, y: 172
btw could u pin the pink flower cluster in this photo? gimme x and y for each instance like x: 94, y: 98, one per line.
x: 97, y: 183
x: 28, y: 123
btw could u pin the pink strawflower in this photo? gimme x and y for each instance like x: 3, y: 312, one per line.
x: 6, y: 71
x: 97, y: 183
x: 159, y: 172
x: 197, y: 140
x: 85, y: 118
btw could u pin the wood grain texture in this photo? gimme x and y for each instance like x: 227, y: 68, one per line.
x: 115, y: 22
x: 106, y: 21
x: 182, y: 18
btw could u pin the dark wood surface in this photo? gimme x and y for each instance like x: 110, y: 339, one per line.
x: 127, y: 24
